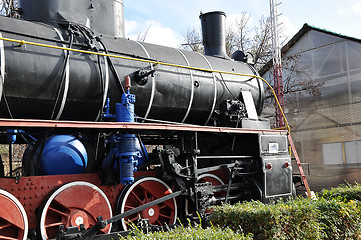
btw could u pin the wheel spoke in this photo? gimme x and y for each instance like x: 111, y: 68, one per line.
x: 54, y: 224
x: 136, y: 197
x: 7, y: 238
x: 58, y: 212
x: 133, y: 219
x: 168, y: 204
x: 165, y: 216
x: 158, y: 190
x: 129, y: 207
x: 145, y: 195
x: 5, y: 226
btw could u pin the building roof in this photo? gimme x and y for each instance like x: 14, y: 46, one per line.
x: 306, y: 27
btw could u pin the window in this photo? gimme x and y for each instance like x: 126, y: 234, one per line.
x: 332, y: 153
x: 353, y: 152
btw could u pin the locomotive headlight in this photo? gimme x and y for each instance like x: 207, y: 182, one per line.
x: 269, y: 166
x: 286, y: 164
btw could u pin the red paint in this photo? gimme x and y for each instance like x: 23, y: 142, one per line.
x: 33, y: 191
x: 75, y: 205
x: 12, y: 225
x: 127, y: 83
x: 286, y: 164
x: 269, y: 166
x: 145, y: 192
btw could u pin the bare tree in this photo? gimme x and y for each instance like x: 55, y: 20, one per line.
x: 143, y: 35
x: 257, y: 40
x: 299, y: 78
x: 193, y: 41
x: 9, y: 7
x: 261, y: 44
x: 239, y: 36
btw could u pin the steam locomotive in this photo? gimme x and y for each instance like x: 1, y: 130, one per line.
x: 120, y: 131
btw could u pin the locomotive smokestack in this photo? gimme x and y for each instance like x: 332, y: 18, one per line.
x: 102, y: 16
x: 214, y: 33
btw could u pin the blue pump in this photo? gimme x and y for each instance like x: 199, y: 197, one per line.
x: 125, y: 148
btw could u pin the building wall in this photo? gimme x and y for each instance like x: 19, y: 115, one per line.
x: 325, y: 110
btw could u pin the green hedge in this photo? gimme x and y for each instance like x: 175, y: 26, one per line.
x: 189, y: 233
x: 335, y: 215
x: 289, y: 220
x: 339, y: 220
x: 343, y: 193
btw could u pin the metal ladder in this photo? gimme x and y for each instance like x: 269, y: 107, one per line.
x: 303, y: 176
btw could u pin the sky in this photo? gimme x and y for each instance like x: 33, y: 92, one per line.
x: 167, y: 21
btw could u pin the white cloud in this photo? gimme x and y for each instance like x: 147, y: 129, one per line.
x: 341, y: 11
x: 357, y: 8
x: 349, y: 9
x: 130, y: 27
x: 152, y: 32
x: 233, y: 20
x: 287, y: 28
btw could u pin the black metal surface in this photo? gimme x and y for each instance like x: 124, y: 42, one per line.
x: 104, y: 17
x: 33, y: 75
x: 214, y: 34
x: 277, y: 178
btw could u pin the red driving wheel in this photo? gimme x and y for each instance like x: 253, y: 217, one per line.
x: 214, y: 180
x: 13, y: 218
x: 73, y: 204
x: 145, y: 190
x: 207, y: 177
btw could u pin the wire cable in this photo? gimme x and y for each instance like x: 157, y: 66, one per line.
x: 64, y: 82
x: 112, y: 67
x: 155, y: 62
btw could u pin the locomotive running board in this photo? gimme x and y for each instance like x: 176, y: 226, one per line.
x: 34, y: 123
x: 299, y: 164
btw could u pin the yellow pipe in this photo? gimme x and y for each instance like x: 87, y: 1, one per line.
x: 278, y: 103
x: 22, y: 42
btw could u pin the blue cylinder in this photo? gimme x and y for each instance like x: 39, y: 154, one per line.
x: 127, y: 153
x: 127, y: 170
x: 63, y: 154
x: 127, y: 144
x: 125, y: 109
x: 125, y: 113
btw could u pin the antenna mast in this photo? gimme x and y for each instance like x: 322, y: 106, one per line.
x: 277, y: 64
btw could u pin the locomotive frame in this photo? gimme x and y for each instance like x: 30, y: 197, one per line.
x: 248, y: 176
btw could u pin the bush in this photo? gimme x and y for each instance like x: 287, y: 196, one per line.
x: 340, y: 220
x: 343, y: 193
x: 335, y: 215
x: 189, y: 233
x: 282, y: 220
